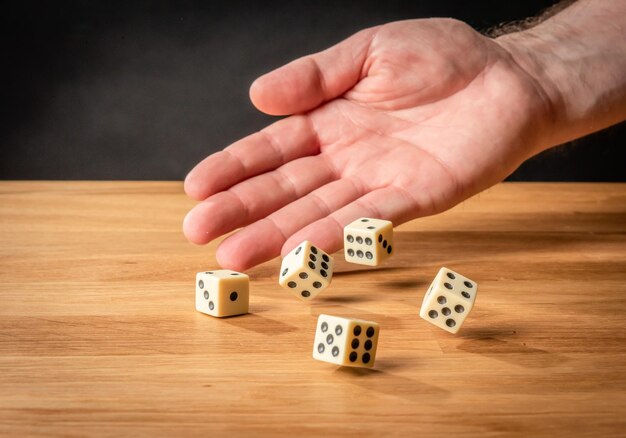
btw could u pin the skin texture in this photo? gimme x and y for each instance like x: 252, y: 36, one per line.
x: 397, y: 122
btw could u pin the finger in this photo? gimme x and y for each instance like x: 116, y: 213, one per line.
x: 266, y: 150
x: 305, y: 83
x: 264, y: 239
x: 255, y: 198
x: 390, y: 203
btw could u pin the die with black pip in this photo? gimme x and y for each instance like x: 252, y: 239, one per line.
x: 345, y: 341
x: 368, y: 241
x: 222, y: 293
x: 306, y: 271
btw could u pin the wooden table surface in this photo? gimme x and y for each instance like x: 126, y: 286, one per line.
x: 99, y: 336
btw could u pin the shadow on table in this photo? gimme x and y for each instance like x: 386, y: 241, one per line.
x: 374, y: 291
x: 381, y: 381
x: 449, y: 248
x: 342, y: 299
x: 487, y: 342
x: 260, y: 324
x: 333, y: 307
x: 341, y: 272
x: 402, y: 284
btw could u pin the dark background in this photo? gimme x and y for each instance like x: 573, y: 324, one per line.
x: 143, y: 90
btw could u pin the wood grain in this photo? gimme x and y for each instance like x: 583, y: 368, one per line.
x: 99, y: 336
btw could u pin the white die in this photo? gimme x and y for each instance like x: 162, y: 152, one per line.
x: 345, y: 341
x: 449, y: 300
x: 306, y: 271
x: 368, y: 241
x: 222, y: 293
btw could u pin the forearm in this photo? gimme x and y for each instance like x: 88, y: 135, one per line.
x: 578, y: 57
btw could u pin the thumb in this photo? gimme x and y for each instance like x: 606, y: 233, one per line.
x: 307, y: 82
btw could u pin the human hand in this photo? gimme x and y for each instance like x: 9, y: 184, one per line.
x: 396, y: 122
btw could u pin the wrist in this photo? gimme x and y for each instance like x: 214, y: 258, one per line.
x: 578, y: 65
x: 528, y: 52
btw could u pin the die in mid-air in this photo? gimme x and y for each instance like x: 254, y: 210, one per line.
x: 368, y: 241
x: 306, y: 271
x: 449, y: 300
x: 345, y: 341
x: 222, y: 293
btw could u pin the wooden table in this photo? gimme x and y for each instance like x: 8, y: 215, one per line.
x: 99, y: 336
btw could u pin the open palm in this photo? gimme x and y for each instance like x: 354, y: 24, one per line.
x: 396, y: 122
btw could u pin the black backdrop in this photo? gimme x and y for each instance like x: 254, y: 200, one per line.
x: 143, y: 90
